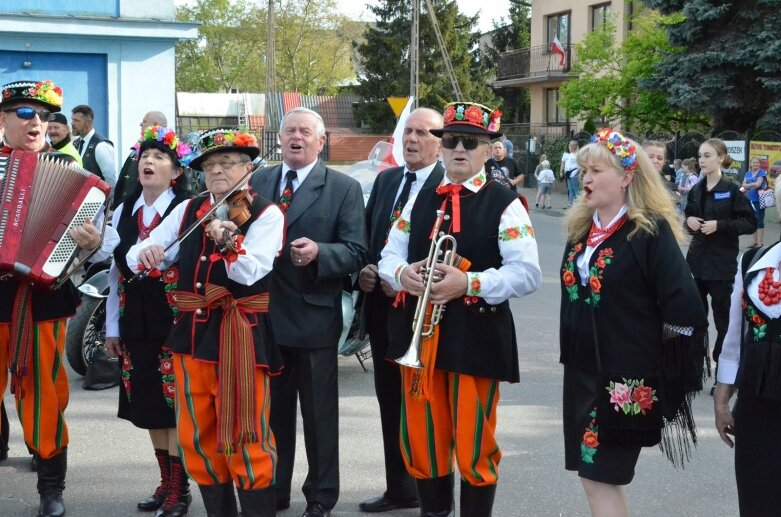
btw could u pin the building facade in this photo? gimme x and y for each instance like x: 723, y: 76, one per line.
x: 116, y: 56
x: 542, y: 70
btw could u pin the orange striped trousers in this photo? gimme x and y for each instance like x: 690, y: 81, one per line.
x: 44, y: 390
x: 460, y: 420
x: 252, y: 466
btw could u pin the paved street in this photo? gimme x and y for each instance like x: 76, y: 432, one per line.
x: 111, y: 465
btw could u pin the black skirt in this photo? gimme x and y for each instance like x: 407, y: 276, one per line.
x: 611, y: 464
x: 146, y: 393
x: 757, y: 455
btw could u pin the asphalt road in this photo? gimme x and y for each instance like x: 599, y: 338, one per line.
x: 111, y: 465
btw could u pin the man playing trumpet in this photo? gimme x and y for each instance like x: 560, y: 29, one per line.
x: 450, y: 404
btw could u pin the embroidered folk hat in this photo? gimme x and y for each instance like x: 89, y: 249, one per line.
x: 225, y: 140
x: 470, y: 117
x: 43, y: 92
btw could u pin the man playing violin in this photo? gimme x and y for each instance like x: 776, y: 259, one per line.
x: 40, y: 382
x: 223, y: 354
x: 450, y: 404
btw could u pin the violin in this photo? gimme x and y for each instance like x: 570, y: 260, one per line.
x: 238, y: 205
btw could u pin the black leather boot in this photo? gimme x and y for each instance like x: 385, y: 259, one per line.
x: 51, y: 483
x: 477, y: 501
x: 4, y: 432
x: 156, y: 500
x: 257, y: 503
x: 220, y: 501
x: 178, y: 500
x: 436, y: 496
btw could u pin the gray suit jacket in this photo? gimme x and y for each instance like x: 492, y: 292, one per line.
x: 305, y: 306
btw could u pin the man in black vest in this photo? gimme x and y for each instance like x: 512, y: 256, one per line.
x: 450, y: 403
x: 97, y: 152
x: 391, y: 190
x: 128, y: 175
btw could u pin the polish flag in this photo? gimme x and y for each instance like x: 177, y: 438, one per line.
x: 557, y: 48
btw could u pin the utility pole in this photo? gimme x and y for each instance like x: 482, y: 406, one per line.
x: 271, y: 90
x: 413, y: 52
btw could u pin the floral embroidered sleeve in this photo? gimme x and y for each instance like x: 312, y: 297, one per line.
x: 519, y: 273
x: 394, y: 255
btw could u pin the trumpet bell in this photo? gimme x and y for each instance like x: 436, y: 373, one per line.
x: 411, y: 358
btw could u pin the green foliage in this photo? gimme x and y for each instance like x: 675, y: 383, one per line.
x: 385, y: 68
x: 730, y: 66
x: 313, y: 47
x: 512, y: 34
x: 609, y: 79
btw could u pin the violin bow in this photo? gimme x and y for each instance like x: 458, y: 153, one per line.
x: 190, y: 229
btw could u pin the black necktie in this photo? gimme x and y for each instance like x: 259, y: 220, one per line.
x: 410, y: 178
x: 79, y: 144
x: 287, y: 194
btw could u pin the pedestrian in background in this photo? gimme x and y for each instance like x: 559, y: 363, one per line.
x: 545, y: 180
x: 754, y: 181
x: 750, y: 364
x: 631, y: 330
x: 717, y: 213
x: 690, y: 179
x: 570, y: 172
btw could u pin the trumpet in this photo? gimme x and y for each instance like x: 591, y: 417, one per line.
x: 428, y: 316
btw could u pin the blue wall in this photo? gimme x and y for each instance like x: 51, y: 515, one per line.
x: 82, y: 77
x: 62, y: 7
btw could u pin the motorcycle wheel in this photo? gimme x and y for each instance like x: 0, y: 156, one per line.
x: 86, y: 331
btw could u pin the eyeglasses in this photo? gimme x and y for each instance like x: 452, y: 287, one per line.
x: 223, y: 165
x: 469, y: 142
x: 29, y: 113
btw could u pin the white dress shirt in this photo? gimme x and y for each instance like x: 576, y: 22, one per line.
x: 519, y: 273
x: 301, y: 175
x: 421, y: 175
x: 104, y: 155
x: 729, y: 359
x: 262, y: 244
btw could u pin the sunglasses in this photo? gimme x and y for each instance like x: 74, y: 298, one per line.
x: 29, y: 113
x: 469, y: 142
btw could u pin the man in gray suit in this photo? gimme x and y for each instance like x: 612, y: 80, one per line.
x: 326, y: 241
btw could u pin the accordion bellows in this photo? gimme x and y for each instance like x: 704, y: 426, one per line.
x: 42, y: 197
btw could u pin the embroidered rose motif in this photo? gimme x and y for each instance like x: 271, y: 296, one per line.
x: 604, y: 258
x: 620, y: 395
x: 474, y: 114
x: 403, y: 225
x: 514, y: 232
x: 7, y: 94
x: 632, y: 397
x: 171, y: 275
x: 568, y: 277
x: 756, y: 322
x: 478, y: 182
x: 127, y: 368
x: 475, y: 286
x: 590, y: 443
x: 219, y: 139
x: 450, y: 114
x: 595, y: 284
x: 167, y: 376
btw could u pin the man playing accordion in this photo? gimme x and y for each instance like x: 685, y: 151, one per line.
x: 39, y: 381
x: 450, y: 404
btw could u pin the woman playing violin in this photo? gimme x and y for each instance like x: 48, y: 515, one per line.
x: 222, y: 351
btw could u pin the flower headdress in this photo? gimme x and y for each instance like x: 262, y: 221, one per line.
x: 619, y: 145
x: 470, y: 117
x: 167, y: 137
x: 45, y: 92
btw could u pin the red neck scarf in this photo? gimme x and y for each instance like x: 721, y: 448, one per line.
x: 452, y: 191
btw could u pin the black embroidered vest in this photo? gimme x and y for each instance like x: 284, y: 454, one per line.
x: 88, y: 159
x: 476, y: 339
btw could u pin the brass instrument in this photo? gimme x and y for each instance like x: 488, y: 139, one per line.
x: 428, y: 316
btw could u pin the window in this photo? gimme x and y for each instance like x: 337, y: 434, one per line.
x: 553, y: 114
x: 600, y: 14
x: 558, y: 25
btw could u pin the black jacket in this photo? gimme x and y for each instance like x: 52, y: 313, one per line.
x: 715, y: 256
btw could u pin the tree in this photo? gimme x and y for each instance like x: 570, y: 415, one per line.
x: 385, y: 67
x: 609, y: 79
x: 507, y: 35
x: 313, y: 47
x: 730, y: 66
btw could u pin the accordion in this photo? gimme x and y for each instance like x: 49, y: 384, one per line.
x: 41, y: 199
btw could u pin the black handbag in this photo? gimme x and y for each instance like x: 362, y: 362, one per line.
x: 629, y: 411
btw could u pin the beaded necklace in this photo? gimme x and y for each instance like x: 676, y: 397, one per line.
x: 596, y: 235
x: 143, y: 230
x: 769, y: 289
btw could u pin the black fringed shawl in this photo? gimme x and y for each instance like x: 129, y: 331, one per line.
x: 649, y: 320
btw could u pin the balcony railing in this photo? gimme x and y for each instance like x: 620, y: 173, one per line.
x: 533, y: 63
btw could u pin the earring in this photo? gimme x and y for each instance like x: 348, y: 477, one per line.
x: 173, y: 182
x: 623, y: 190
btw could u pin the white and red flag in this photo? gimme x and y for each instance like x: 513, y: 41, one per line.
x: 557, y: 48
